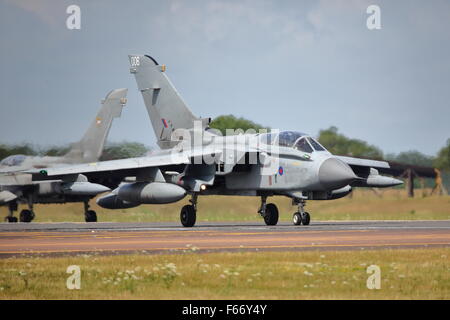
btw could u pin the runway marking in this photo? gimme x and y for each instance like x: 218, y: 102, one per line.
x: 112, y: 234
x: 151, y: 231
x: 362, y: 246
x: 299, y: 237
x: 93, y: 246
x: 222, y: 237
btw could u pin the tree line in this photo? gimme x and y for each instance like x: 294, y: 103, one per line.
x: 112, y: 151
x: 340, y: 144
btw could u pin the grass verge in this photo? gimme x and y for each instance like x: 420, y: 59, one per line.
x: 363, y: 205
x: 405, y: 274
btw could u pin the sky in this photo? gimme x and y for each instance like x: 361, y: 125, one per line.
x: 291, y: 65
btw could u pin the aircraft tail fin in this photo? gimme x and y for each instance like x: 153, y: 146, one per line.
x: 90, y: 147
x: 165, y: 107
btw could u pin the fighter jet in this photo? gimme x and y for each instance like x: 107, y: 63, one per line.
x: 16, y: 186
x: 196, y: 160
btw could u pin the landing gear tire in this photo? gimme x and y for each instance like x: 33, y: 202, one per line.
x: 90, y: 216
x: 26, y: 216
x: 11, y: 219
x: 301, y: 216
x: 306, y: 218
x: 271, y: 214
x: 188, y: 215
x: 297, y: 219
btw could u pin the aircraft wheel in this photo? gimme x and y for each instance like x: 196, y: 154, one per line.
x: 271, y: 214
x: 90, y: 216
x: 306, y: 219
x: 297, y: 218
x: 26, y: 216
x: 11, y: 219
x: 188, y: 215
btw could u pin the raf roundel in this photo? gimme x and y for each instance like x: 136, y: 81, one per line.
x: 280, y: 171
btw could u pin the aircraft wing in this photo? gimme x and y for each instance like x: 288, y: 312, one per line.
x: 124, y: 167
x: 368, y: 173
x: 364, y: 162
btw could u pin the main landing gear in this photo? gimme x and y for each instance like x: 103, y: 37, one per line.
x: 89, y: 215
x: 26, y: 215
x: 301, y: 216
x: 12, y: 206
x: 188, y: 214
x: 269, y: 212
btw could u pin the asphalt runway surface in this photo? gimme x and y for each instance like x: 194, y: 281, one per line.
x: 119, y: 238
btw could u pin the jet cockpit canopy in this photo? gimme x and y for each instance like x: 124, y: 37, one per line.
x: 14, y: 160
x: 292, y: 139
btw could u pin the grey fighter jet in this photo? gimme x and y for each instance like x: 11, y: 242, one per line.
x: 16, y: 186
x: 196, y: 160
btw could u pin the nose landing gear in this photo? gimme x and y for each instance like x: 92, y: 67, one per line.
x: 301, y: 216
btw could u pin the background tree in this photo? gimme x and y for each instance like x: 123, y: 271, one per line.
x: 442, y: 160
x: 55, y: 151
x: 117, y: 150
x: 339, y: 144
x: 412, y: 157
x: 123, y: 150
x: 231, y: 122
x: 25, y: 149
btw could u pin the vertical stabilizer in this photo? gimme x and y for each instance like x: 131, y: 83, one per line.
x: 90, y: 147
x: 166, y: 108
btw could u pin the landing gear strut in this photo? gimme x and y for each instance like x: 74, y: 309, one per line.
x: 188, y: 214
x: 89, y: 215
x: 26, y: 215
x: 301, y: 216
x: 12, y: 206
x: 268, y: 211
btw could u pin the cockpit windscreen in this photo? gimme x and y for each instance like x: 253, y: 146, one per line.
x: 317, y: 146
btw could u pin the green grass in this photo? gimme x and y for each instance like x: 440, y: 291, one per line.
x: 364, y: 205
x: 405, y: 274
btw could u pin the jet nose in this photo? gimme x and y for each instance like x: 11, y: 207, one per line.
x: 334, y: 174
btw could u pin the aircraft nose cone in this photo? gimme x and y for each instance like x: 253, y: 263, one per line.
x: 396, y: 182
x: 334, y: 174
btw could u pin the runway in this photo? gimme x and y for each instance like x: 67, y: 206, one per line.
x: 149, y: 238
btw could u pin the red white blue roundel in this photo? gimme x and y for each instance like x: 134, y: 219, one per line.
x: 280, y: 171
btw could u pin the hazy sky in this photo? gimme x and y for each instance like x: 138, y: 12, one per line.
x: 300, y: 65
